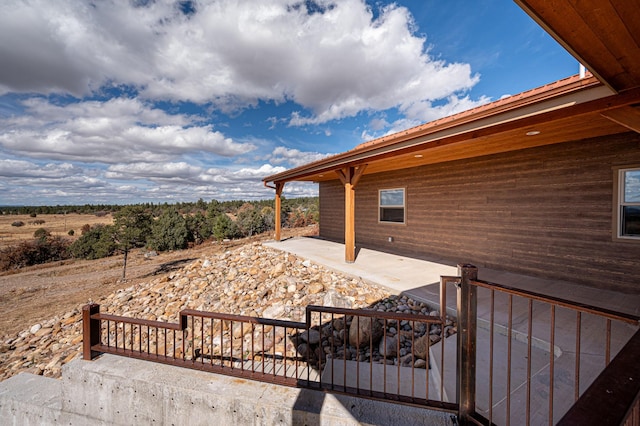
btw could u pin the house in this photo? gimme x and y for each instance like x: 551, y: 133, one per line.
x: 544, y: 183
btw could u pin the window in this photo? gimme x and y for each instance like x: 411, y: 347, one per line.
x: 629, y: 203
x: 391, y: 202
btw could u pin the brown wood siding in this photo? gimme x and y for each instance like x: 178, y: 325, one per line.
x: 542, y: 211
x: 332, y: 209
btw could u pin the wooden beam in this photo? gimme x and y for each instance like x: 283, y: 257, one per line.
x: 349, y: 176
x: 342, y: 175
x: 349, y: 223
x: 626, y: 116
x: 357, y: 174
x: 278, y: 215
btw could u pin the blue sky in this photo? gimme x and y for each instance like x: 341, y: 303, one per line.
x: 166, y: 101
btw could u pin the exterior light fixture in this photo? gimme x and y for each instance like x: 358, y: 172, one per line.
x: 533, y: 133
x: 418, y: 155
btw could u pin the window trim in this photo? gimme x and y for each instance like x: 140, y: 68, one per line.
x: 618, y: 203
x: 404, y: 206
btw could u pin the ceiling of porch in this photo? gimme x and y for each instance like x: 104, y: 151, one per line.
x: 604, y: 35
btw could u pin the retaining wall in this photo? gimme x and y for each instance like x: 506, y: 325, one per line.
x: 114, y: 390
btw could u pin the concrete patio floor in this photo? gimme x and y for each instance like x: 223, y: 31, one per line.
x: 419, y: 279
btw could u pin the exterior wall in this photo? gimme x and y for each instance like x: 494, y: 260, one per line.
x: 332, y: 210
x: 542, y: 211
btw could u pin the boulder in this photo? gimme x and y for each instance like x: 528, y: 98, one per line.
x: 364, y: 330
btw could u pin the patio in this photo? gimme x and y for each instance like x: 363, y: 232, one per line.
x: 420, y: 279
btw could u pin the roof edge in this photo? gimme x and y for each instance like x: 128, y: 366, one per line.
x: 530, y: 97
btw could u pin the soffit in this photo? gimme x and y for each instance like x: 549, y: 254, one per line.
x: 578, y: 115
x: 604, y: 35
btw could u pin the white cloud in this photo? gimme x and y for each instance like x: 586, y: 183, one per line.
x: 231, y: 54
x: 50, y: 183
x: 120, y: 130
x: 25, y: 169
x: 294, y: 157
x: 424, y: 111
x: 420, y: 113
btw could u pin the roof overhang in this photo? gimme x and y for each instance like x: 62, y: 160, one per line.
x: 568, y: 110
x: 604, y: 35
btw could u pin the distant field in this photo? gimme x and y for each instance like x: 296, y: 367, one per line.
x: 57, y: 224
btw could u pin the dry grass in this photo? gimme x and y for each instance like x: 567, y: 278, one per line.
x: 57, y: 224
x: 40, y: 292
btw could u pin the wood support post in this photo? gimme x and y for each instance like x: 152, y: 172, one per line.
x: 349, y: 177
x: 90, y: 331
x: 349, y: 223
x: 278, y: 211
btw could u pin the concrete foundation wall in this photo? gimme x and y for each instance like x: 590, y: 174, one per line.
x: 121, y: 391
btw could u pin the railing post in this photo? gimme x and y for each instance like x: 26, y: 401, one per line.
x: 90, y: 331
x: 466, y: 356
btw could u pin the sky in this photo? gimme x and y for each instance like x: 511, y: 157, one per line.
x: 121, y: 102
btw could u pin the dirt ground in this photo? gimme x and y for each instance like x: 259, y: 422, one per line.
x: 41, y: 292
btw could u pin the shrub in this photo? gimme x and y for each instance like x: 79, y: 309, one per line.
x: 224, y: 227
x: 71, y: 232
x: 169, y: 231
x: 95, y: 243
x: 250, y: 221
x: 199, y: 227
x: 18, y: 223
x: 41, y: 233
x: 34, y: 252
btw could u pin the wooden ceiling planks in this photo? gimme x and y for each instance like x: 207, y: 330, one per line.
x: 602, y: 34
x: 481, y: 143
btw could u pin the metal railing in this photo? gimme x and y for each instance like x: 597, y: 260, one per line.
x: 336, y: 349
x: 522, y: 358
x: 526, y: 358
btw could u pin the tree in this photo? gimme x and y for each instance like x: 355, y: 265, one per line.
x: 214, y: 209
x: 199, y: 227
x: 132, y: 225
x: 224, y: 227
x: 169, y: 231
x: 250, y: 221
x: 269, y: 217
x: 201, y: 205
x: 96, y: 242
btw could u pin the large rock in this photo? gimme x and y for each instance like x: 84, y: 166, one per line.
x: 364, y: 330
x: 421, y: 347
x: 388, y: 346
x: 336, y: 300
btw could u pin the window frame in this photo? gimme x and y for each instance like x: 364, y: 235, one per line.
x: 403, y: 206
x: 619, y: 202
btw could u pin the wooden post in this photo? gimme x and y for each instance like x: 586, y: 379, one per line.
x: 349, y: 177
x: 278, y: 217
x: 90, y: 331
x: 349, y: 223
